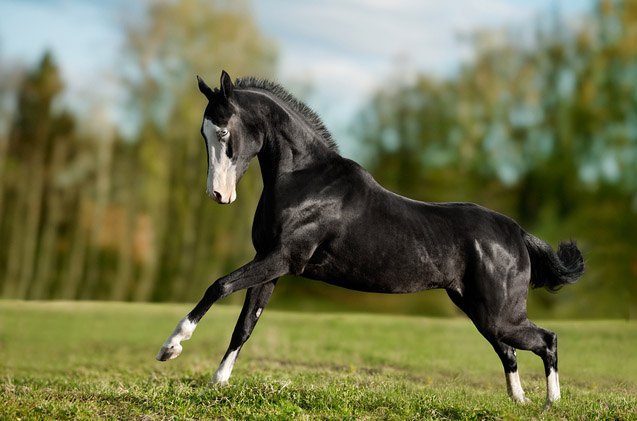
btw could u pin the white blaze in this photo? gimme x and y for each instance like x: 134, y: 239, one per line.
x: 222, y: 173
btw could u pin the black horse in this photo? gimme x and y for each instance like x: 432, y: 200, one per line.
x: 324, y: 217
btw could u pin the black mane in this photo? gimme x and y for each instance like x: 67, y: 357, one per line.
x: 295, y: 104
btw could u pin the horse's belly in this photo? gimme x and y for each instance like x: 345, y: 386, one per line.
x: 390, y: 277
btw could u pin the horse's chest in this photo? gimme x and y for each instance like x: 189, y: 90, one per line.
x: 263, y: 229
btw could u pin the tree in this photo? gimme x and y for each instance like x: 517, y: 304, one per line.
x: 179, y: 40
x: 34, y: 152
x: 101, y: 216
x: 543, y: 132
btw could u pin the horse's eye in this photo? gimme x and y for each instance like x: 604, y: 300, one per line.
x: 222, y: 133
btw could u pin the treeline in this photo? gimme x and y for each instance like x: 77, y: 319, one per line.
x: 542, y: 128
x: 87, y: 213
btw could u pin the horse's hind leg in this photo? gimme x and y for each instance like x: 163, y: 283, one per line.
x: 541, y: 342
x: 256, y: 300
x: 505, y: 352
x: 506, y: 336
x: 509, y: 362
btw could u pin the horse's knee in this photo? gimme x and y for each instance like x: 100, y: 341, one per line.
x: 217, y: 290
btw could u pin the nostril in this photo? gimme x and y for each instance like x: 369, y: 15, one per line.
x: 217, y: 195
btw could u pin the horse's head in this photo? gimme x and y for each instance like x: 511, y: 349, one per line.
x: 229, y: 144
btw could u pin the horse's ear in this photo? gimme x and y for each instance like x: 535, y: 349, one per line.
x: 205, y: 89
x: 226, y: 84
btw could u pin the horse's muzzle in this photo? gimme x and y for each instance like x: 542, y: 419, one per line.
x: 222, y: 198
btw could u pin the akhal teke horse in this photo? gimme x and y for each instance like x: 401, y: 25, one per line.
x: 324, y: 217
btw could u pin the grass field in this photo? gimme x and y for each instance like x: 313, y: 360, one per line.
x: 96, y: 360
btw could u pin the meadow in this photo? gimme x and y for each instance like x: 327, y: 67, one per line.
x: 90, y: 360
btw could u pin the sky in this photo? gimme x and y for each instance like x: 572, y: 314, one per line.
x: 345, y: 49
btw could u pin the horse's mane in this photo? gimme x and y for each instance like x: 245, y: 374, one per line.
x: 280, y: 92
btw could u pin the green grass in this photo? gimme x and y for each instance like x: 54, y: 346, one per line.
x: 96, y: 360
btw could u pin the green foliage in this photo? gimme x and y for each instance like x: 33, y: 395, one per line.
x: 124, y: 217
x: 35, y: 167
x: 95, y: 360
x: 545, y: 133
x: 180, y: 40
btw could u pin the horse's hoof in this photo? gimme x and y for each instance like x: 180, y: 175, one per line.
x: 218, y: 383
x: 218, y: 380
x: 168, y: 353
x: 522, y: 400
x: 550, y: 403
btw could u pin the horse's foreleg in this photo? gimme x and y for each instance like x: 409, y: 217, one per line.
x: 172, y: 347
x: 256, y: 300
x: 257, y: 272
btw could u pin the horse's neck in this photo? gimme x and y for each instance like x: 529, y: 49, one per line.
x: 292, y: 144
x: 288, y: 152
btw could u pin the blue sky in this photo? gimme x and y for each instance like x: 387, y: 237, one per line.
x: 344, y: 48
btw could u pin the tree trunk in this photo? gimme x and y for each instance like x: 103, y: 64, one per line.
x: 74, y: 272
x: 186, y: 254
x: 15, y: 236
x: 4, y: 146
x: 102, y: 191
x: 148, y: 276
x: 122, y: 285
x: 44, y: 269
x: 32, y: 222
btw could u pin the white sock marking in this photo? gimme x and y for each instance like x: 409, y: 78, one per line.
x: 182, y: 332
x: 552, y: 386
x: 514, y: 387
x: 225, y: 368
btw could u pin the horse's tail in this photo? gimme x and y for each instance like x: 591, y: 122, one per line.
x: 552, y: 270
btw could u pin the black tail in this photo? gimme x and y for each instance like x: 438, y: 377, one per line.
x: 553, y: 270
